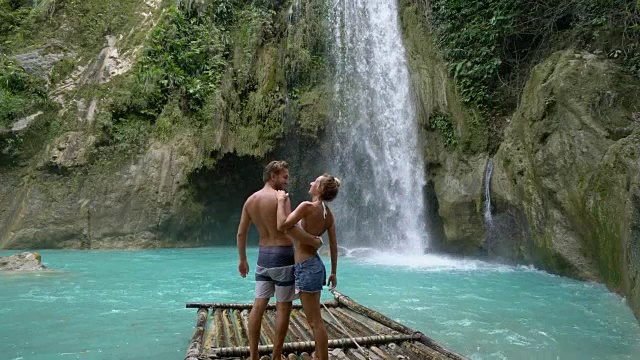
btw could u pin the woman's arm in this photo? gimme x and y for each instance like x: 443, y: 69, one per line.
x: 287, y: 222
x: 333, y: 248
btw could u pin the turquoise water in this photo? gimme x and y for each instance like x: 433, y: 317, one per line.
x: 130, y: 305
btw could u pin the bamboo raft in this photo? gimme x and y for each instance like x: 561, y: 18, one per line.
x: 221, y: 333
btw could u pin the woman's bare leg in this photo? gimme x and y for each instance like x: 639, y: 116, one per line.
x: 311, y: 306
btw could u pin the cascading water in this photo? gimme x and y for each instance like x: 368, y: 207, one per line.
x: 488, y: 172
x: 294, y: 11
x: 375, y: 143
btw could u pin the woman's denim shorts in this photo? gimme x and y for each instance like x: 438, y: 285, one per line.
x: 310, y: 275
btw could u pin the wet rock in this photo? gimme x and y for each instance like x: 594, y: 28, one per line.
x: 26, y: 261
x: 71, y: 149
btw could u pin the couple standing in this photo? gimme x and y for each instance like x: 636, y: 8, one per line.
x: 281, y: 270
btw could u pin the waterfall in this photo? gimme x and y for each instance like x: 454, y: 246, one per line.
x: 488, y: 172
x: 374, y: 142
x: 294, y: 11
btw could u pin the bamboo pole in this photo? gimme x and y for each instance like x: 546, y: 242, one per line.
x: 310, y: 345
x: 229, y: 328
x: 242, y: 334
x: 394, y: 325
x: 382, y: 354
x: 296, y: 325
x: 422, y: 351
x: 373, y: 325
x: 356, y: 354
x: 353, y: 326
x: 220, y: 335
x: 267, y: 327
x: 236, y: 306
x: 333, y: 329
x: 210, y: 335
x: 195, y: 345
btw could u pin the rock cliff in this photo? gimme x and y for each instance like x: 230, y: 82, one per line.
x: 567, y: 173
x: 145, y: 135
x: 565, y: 181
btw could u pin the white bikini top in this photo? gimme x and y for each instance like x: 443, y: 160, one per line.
x: 324, y: 210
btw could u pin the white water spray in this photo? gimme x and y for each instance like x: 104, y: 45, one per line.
x: 487, y: 192
x: 375, y: 141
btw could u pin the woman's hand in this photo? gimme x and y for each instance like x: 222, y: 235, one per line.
x: 332, y: 282
x: 281, y: 195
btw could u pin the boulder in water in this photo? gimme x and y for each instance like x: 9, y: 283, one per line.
x: 26, y: 261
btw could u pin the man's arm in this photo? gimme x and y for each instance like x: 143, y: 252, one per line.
x: 241, y: 239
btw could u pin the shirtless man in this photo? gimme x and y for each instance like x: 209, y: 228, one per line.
x: 274, y: 271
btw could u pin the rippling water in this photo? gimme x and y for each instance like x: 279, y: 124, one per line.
x: 130, y: 305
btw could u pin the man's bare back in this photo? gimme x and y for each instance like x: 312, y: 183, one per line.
x: 262, y: 210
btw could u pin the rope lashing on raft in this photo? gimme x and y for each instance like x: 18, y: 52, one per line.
x: 345, y: 331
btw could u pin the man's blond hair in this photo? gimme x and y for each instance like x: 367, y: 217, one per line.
x: 274, y: 168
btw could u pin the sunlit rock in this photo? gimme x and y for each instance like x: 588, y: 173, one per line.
x: 26, y: 261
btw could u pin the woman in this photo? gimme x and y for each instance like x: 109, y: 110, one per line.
x: 309, y: 270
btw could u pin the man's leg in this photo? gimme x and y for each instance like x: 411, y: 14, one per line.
x: 255, y: 321
x: 282, y: 325
x: 311, y: 305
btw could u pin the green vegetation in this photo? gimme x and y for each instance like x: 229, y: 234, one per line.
x: 490, y: 44
x: 469, y: 34
x: 230, y: 71
x: 19, y: 19
x: 20, y: 93
x: 443, y: 124
x: 73, y: 30
x: 78, y: 24
x: 185, y: 55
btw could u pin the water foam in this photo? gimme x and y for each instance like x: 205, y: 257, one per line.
x: 430, y: 262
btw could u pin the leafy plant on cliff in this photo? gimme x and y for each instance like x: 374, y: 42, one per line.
x: 78, y: 24
x: 20, y: 93
x: 185, y: 55
x: 442, y: 123
x: 224, y: 68
x: 307, y: 68
x: 469, y: 32
x: 488, y: 43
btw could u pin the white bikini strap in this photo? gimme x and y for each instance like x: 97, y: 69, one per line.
x: 324, y: 210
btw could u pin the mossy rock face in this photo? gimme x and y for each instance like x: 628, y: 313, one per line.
x: 612, y: 218
x: 139, y: 121
x: 455, y: 140
x: 458, y: 192
x: 566, y: 162
x: 102, y: 204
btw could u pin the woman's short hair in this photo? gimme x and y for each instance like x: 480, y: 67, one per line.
x: 329, y: 186
x: 274, y: 167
